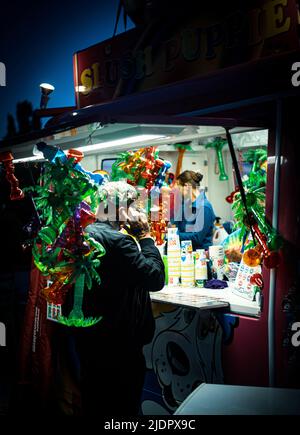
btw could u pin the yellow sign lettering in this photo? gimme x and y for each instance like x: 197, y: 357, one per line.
x: 275, y: 20
x: 86, y: 81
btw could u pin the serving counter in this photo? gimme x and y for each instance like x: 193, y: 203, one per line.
x: 192, y: 326
x: 205, y: 298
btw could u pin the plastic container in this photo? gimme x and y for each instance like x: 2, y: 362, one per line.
x: 200, y: 267
x: 187, y: 264
x: 165, y: 260
x: 220, y: 234
x: 174, y: 257
x: 216, y: 255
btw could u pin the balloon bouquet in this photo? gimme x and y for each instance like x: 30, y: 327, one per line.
x: 265, y: 241
x: 6, y: 158
x: 147, y: 172
x: 65, y: 199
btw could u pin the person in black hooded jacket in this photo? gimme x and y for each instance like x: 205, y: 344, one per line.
x: 111, y: 357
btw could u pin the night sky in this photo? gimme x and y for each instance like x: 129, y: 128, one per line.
x: 37, y: 42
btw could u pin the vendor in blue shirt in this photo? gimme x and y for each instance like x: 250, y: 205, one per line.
x: 193, y: 213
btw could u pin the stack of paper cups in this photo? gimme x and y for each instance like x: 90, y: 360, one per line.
x: 216, y: 254
x: 187, y: 264
x: 200, y: 267
x: 173, y: 257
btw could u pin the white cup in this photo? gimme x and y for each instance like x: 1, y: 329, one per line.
x: 216, y: 254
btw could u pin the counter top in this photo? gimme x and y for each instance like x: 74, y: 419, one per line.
x: 204, y: 299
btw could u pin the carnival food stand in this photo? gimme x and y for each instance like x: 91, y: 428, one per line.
x: 202, y: 334
x: 181, y: 311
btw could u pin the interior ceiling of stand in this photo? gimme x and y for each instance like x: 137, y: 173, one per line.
x: 163, y: 136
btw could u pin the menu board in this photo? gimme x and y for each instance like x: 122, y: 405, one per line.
x: 53, y: 311
x: 242, y: 285
x: 188, y: 299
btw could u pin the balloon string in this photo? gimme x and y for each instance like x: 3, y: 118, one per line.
x: 239, y: 180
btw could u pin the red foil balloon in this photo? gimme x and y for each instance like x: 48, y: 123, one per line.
x: 86, y: 218
x: 230, y: 198
x: 75, y: 154
x: 56, y: 292
x: 257, y: 279
x: 271, y: 258
x: 158, y: 230
x: 160, y: 227
x: 262, y: 240
x: 15, y: 192
x: 158, y: 164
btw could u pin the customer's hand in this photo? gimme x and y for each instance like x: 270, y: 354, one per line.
x: 136, y: 223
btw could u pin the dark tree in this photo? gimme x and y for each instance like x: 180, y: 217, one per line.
x: 24, y: 115
x: 27, y: 119
x: 11, y: 126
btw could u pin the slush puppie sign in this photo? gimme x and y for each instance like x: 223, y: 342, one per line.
x: 199, y: 46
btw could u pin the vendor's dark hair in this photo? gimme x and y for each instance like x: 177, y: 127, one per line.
x: 190, y: 177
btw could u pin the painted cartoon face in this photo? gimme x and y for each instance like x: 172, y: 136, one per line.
x: 184, y: 353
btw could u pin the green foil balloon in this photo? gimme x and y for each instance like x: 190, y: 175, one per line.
x: 218, y: 145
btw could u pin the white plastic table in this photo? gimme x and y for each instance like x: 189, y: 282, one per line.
x: 212, y: 399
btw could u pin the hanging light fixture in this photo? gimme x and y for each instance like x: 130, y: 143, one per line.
x: 46, y: 89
